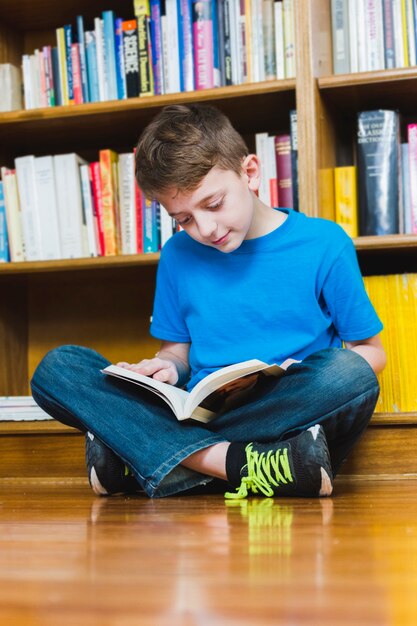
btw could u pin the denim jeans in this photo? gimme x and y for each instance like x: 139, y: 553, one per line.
x: 334, y: 387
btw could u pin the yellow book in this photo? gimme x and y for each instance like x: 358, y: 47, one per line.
x: 326, y: 191
x: 143, y: 12
x: 346, y: 203
x: 405, y: 31
x: 108, y: 167
x: 62, y: 60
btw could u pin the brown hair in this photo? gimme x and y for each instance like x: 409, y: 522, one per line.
x: 182, y: 144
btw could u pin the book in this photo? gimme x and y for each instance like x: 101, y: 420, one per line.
x: 185, y: 40
x: 26, y: 183
x: 62, y: 62
x: 346, y: 199
x: 4, y: 238
x: 142, y: 13
x: 284, y: 173
x: 378, y: 172
x: 127, y: 203
x: 120, y: 61
x: 13, y: 215
x: 157, y: 49
x: 88, y: 210
x: 171, y: 53
x: 92, y: 70
x: 110, y: 54
x: 108, y: 160
x: 203, y: 44
x: 47, y: 207
x: 70, y: 78
x: 131, y: 57
x: 214, y: 394
x: 294, y: 158
x: 279, y: 41
x: 98, y: 205
x: 83, y: 58
x: 406, y: 188
x: 389, y: 35
x: 412, y: 155
x: 340, y: 35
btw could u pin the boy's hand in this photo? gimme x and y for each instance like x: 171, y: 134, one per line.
x: 159, y: 369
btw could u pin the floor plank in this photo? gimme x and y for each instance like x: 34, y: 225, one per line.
x: 70, y: 558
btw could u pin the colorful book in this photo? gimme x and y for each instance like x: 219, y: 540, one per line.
x: 131, y: 56
x: 185, y: 40
x: 92, y: 70
x: 62, y: 62
x: 4, y: 238
x: 110, y: 54
x: 378, y: 154
x: 142, y: 13
x: 98, y: 205
x: 68, y: 44
x: 101, y: 60
x: 108, y: 160
x: 203, y: 44
x: 284, y: 174
x: 76, y: 74
x: 120, y: 61
x: 83, y: 57
x: 412, y: 146
x: 294, y: 158
x: 170, y: 41
x: 389, y: 35
x: 151, y: 212
x: 346, y: 206
x: 157, y: 49
x: 56, y: 76
x: 127, y: 203
x: 89, y: 213
x: 13, y: 215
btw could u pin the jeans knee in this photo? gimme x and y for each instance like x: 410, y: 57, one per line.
x: 348, y: 370
x: 55, y: 362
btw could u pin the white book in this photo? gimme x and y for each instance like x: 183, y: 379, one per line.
x: 399, y: 34
x: 101, y: 66
x: 261, y: 44
x: 26, y: 184
x: 167, y: 225
x: 269, y: 39
x: 279, y: 41
x: 272, y: 169
x: 127, y: 203
x: 374, y: 35
x: 234, y: 40
x: 410, y: 32
x: 172, y: 77
x: 34, y: 81
x: 289, y: 37
x: 27, y: 84
x: 362, y: 36
x: 243, y: 44
x: 405, y: 173
x: 72, y: 226
x: 47, y: 207
x: 13, y: 216
x: 353, y: 35
x: 165, y: 51
x: 90, y: 218
x: 261, y: 143
x: 254, y: 41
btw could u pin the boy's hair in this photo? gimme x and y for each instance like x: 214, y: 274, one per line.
x: 182, y: 144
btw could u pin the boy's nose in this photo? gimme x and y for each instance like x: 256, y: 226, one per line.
x: 206, y: 226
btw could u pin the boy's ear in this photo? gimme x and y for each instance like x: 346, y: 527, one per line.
x: 251, y: 167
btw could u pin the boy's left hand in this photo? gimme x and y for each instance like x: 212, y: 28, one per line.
x: 163, y: 370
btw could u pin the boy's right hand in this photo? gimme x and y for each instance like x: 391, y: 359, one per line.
x: 159, y: 369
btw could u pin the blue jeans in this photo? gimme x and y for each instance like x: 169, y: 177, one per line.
x: 334, y: 387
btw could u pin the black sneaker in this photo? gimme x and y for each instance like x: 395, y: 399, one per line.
x: 107, y: 473
x: 296, y: 467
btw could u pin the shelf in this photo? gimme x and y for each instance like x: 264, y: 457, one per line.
x: 118, y: 123
x: 386, y: 242
x: 366, y: 90
x: 63, y: 265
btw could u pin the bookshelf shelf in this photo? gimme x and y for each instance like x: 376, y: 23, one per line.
x: 386, y: 242
x: 69, y: 265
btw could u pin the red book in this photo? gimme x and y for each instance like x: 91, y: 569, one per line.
x: 98, y: 204
x: 284, y: 172
x: 76, y: 73
x: 139, y: 218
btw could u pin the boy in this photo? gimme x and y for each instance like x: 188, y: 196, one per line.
x: 243, y: 280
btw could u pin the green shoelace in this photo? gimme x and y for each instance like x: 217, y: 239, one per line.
x: 265, y: 470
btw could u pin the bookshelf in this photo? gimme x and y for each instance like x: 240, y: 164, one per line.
x: 105, y: 303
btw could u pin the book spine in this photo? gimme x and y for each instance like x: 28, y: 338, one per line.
x: 412, y: 145
x: 83, y: 58
x: 294, y: 158
x: 98, y: 205
x: 234, y: 46
x: 72, y: 231
x: 216, y: 55
x: 4, y: 238
x: 42, y: 78
x: 92, y: 71
x: 49, y: 76
x: 227, y: 44
x: 244, y: 48
x: 220, y: 27
x: 272, y: 174
x: 405, y: 32
x: 142, y: 13
x: 120, y: 61
x: 47, y: 207
x: 63, y: 74
x: 253, y: 37
x: 389, y: 45
x: 56, y: 76
x: 406, y: 188
x: 284, y: 174
x: 326, y: 189
x: 139, y: 218
x: 68, y: 43
x: 127, y: 203
x: 378, y: 173
x: 172, y: 58
x: 340, y: 36
x: 203, y: 44
x: 13, y: 216
x: 157, y: 52
x: 289, y: 38
x: 131, y: 54
x: 76, y: 73
x: 185, y: 37
x: 269, y: 40
x: 107, y: 158
x: 353, y: 36
x: 101, y: 65
x: 27, y: 95
x: 110, y: 54
x: 147, y: 212
x: 279, y: 41
x: 88, y: 210
x: 167, y: 226
x: 346, y: 199
x: 362, y: 40
x: 261, y: 143
x: 411, y: 40
x: 26, y: 183
x: 258, y: 16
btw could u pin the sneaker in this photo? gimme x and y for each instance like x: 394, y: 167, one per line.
x: 107, y: 473
x: 297, y: 467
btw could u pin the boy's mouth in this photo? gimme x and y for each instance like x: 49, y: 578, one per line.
x: 219, y: 242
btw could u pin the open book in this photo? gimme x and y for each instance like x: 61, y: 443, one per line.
x: 213, y: 395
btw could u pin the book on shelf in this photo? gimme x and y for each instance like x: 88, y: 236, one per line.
x: 378, y: 156
x: 346, y: 207
x: 157, y: 47
x: 214, y: 394
x: 4, y: 237
x: 131, y: 57
x: 143, y: 14
x: 13, y: 215
x: 21, y: 409
x: 395, y: 300
x: 412, y: 161
x: 340, y: 36
x: 284, y: 173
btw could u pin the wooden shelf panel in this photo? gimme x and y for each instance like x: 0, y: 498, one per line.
x: 383, y: 89
x: 386, y: 242
x: 117, y: 124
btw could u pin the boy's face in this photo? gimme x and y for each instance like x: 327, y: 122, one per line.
x: 220, y: 212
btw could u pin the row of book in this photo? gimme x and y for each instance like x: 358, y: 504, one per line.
x: 395, y: 300
x: 170, y: 46
x: 371, y: 35
x: 278, y: 156
x: 21, y: 409
x: 378, y: 196
x: 60, y: 207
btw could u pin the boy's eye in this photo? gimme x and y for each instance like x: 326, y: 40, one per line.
x: 216, y: 205
x: 183, y: 221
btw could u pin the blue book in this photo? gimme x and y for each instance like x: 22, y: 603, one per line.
x: 120, y: 61
x: 156, y: 42
x: 68, y: 42
x: 4, y: 239
x: 83, y: 60
x: 294, y: 157
x: 150, y: 214
x: 57, y: 80
x: 110, y: 54
x: 216, y: 56
x: 185, y: 41
x: 92, y: 71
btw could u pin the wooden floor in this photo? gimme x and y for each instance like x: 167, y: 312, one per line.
x: 70, y: 558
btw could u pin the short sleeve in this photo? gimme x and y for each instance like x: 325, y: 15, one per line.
x: 167, y: 322
x: 350, y: 308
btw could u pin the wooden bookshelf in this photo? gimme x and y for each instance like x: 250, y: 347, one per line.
x: 106, y: 303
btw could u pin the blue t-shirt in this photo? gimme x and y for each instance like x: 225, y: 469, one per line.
x: 286, y: 294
